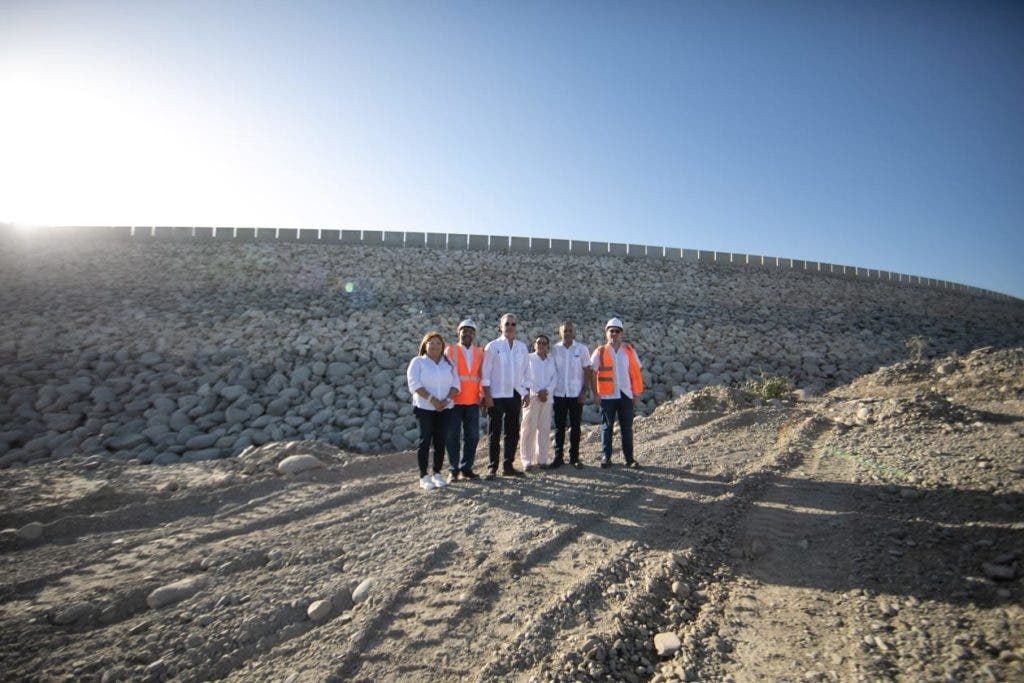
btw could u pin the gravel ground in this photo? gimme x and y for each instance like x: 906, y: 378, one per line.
x: 871, y: 533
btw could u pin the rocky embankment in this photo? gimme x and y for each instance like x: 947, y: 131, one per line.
x: 166, y: 353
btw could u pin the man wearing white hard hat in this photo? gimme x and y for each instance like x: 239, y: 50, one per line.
x: 617, y: 385
x: 464, y: 430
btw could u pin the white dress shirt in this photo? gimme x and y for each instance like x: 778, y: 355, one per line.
x: 620, y: 361
x: 540, y: 374
x: 437, y: 378
x: 570, y: 363
x: 504, y: 369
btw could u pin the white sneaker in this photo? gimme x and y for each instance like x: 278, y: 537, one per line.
x: 439, y: 482
x: 426, y: 483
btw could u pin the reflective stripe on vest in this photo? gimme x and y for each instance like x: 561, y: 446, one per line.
x: 605, y: 371
x: 470, y: 391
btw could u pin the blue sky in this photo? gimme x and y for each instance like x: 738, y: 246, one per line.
x: 878, y: 134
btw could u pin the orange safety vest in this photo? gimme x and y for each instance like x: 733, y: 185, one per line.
x: 470, y: 391
x: 605, y: 372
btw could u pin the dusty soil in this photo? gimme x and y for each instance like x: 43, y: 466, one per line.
x: 874, y: 533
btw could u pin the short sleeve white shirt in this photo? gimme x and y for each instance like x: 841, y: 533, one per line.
x: 569, y: 366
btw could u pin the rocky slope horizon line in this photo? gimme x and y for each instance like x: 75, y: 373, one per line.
x: 169, y: 352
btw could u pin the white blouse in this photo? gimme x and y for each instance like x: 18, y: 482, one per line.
x: 437, y: 378
x: 540, y: 374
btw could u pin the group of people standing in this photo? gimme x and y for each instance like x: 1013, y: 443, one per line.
x: 521, y: 392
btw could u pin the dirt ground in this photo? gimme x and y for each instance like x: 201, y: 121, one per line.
x: 874, y: 533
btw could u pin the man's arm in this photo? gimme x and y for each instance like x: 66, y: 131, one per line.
x: 588, y: 381
x: 485, y: 378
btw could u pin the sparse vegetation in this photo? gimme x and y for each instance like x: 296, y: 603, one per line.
x: 916, y: 346
x: 766, y: 387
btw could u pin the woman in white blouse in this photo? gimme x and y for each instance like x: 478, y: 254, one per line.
x: 432, y: 382
x: 536, y: 427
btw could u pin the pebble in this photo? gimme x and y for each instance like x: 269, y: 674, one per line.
x: 156, y: 669
x: 175, y: 592
x: 30, y: 531
x: 667, y: 644
x: 75, y: 612
x: 998, y: 572
x: 294, y: 464
x: 319, y: 610
x: 362, y: 591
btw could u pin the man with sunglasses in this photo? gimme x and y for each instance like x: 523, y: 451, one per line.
x: 504, y: 385
x: 617, y: 385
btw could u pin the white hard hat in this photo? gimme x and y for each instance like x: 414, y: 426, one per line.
x: 614, y: 322
x: 468, y: 322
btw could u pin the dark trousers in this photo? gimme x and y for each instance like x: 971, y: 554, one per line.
x: 465, y: 423
x: 433, y: 431
x: 621, y: 408
x: 567, y: 406
x: 503, y: 416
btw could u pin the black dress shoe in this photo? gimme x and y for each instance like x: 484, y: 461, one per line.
x: 470, y: 475
x: 491, y: 473
x: 633, y: 465
x: 605, y: 464
x: 556, y: 463
x: 577, y: 464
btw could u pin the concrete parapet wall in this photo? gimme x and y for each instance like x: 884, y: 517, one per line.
x: 494, y: 243
x: 540, y: 245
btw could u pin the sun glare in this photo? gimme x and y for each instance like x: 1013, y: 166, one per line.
x: 91, y: 153
x: 87, y: 145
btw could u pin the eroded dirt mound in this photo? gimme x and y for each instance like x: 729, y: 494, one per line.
x: 711, y: 399
x: 926, y: 410
x: 985, y: 374
x: 875, y: 533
